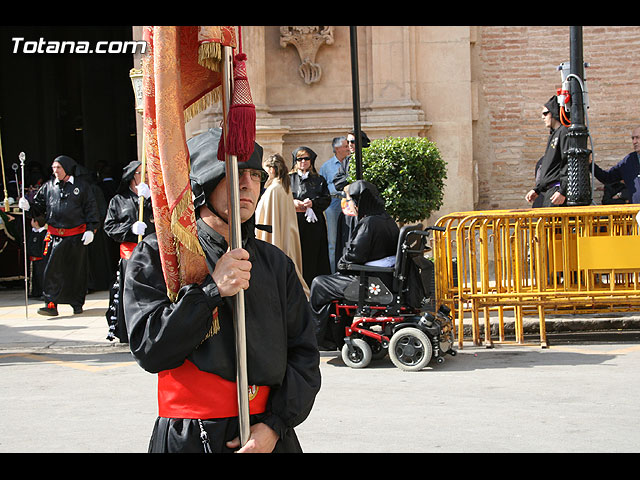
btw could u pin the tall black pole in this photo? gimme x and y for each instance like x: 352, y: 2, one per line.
x: 579, y: 182
x: 355, y: 89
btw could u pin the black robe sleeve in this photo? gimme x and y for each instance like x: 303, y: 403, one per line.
x: 323, y: 198
x: 163, y: 333
x: 90, y: 207
x: 340, y: 178
x: 291, y: 402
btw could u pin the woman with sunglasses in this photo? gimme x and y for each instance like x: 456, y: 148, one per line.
x: 310, y: 198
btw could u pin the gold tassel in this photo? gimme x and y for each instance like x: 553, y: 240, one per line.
x: 215, y: 326
x: 202, y: 104
x: 210, y: 55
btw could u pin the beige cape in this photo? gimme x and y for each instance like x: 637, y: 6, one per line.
x: 276, y: 208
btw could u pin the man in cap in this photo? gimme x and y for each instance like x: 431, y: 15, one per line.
x: 197, y: 393
x: 71, y: 214
x: 551, y: 175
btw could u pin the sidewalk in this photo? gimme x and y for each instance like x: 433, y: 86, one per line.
x: 89, y: 329
x: 19, y: 333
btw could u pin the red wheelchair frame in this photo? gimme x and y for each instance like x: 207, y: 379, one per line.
x: 380, y: 322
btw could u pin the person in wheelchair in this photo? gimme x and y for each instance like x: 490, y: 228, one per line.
x: 373, y: 241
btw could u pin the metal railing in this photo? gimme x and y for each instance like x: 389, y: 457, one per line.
x: 536, y: 262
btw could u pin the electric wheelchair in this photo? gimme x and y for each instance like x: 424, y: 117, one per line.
x: 374, y: 319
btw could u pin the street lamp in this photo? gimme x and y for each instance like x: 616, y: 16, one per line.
x: 136, y: 80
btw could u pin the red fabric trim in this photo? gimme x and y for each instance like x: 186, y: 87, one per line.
x: 126, y: 249
x: 66, y: 232
x: 188, y: 392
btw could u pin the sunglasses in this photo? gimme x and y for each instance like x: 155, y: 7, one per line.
x: 302, y: 159
x: 544, y: 114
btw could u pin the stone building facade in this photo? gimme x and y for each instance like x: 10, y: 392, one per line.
x: 476, y: 91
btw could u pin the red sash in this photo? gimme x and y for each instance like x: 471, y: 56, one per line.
x: 187, y: 392
x: 126, y: 249
x: 66, y: 232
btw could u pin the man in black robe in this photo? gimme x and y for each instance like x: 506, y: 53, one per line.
x: 123, y: 226
x: 197, y: 397
x: 373, y: 241
x: 551, y: 176
x: 71, y: 214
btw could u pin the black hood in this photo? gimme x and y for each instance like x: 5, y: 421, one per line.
x: 367, y: 198
x: 127, y: 175
x: 553, y: 106
x: 68, y: 164
x: 206, y: 169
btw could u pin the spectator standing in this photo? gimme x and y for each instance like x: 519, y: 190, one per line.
x: 310, y: 198
x: 328, y: 170
x: 551, y: 177
x: 627, y: 170
x: 275, y: 208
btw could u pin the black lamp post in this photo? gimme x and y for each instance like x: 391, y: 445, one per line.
x: 579, y: 182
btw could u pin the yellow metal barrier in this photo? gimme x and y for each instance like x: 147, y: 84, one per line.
x: 536, y: 261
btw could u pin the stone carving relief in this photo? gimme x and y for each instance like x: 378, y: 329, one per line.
x: 307, y: 41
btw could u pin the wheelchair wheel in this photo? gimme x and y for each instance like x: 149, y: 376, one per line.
x: 410, y: 349
x: 361, y: 356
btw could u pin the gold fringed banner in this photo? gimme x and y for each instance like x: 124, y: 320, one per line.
x: 181, y: 79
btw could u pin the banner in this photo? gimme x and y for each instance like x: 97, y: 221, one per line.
x: 181, y: 78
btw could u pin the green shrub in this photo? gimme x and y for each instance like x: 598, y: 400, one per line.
x: 408, y: 172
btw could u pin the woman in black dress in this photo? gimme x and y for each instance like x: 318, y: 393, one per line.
x: 311, y: 198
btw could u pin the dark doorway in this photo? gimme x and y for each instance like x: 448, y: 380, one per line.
x: 76, y: 104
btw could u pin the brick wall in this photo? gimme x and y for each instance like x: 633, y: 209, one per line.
x: 516, y: 71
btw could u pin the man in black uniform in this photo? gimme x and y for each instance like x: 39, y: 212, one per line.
x: 551, y: 175
x: 373, y: 240
x: 122, y: 225
x: 197, y: 396
x: 72, y: 217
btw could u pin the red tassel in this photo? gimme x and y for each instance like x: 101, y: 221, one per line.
x: 241, y: 127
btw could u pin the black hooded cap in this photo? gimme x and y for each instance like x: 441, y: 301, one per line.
x: 311, y: 153
x: 68, y: 164
x: 207, y: 170
x: 367, y: 198
x: 127, y: 175
x: 553, y: 106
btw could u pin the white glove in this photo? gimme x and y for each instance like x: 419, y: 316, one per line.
x: 87, y: 237
x: 138, y: 228
x: 310, y: 215
x: 143, y: 190
x: 638, y: 218
x: 23, y: 203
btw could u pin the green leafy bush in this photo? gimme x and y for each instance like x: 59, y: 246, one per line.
x: 408, y: 172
